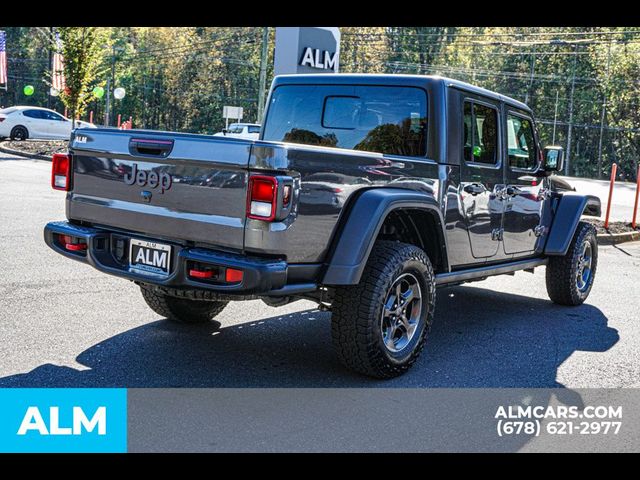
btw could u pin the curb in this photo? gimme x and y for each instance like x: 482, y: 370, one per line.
x: 616, y: 238
x: 18, y: 153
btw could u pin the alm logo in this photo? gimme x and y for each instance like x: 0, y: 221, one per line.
x: 63, y: 420
x: 33, y: 421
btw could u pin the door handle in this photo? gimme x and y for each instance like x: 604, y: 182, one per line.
x: 474, y: 188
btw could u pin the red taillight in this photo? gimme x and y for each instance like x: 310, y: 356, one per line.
x: 2, y: 119
x: 261, y: 198
x: 60, y: 170
x: 233, y: 276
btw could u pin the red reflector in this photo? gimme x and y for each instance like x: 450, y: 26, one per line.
x: 233, y: 276
x: 60, y: 169
x: 200, y: 273
x: 262, y: 190
x: 75, y: 247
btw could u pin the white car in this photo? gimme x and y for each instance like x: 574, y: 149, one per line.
x: 249, y: 131
x: 21, y: 123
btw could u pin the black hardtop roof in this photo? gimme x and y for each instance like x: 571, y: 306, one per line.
x: 392, y: 79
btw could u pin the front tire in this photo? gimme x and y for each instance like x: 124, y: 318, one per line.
x: 570, y: 278
x: 379, y: 326
x: 19, y: 133
x: 181, y: 310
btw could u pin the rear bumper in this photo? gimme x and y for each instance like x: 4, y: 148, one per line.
x: 261, y: 276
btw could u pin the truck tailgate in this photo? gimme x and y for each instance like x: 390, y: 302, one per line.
x: 161, y: 184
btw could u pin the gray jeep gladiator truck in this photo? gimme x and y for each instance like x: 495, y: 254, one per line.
x: 364, y: 193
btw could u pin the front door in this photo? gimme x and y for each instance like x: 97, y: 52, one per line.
x: 524, y: 194
x: 481, y: 176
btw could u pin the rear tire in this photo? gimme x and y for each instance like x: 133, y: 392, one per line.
x: 19, y: 133
x: 374, y: 333
x: 570, y: 278
x: 181, y: 310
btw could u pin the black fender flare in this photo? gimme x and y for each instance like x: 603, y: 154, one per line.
x: 570, y: 208
x: 360, y: 227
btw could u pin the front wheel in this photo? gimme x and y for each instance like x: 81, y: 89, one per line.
x: 181, y: 310
x: 570, y: 278
x: 379, y: 326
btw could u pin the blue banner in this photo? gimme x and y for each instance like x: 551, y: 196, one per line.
x: 57, y: 420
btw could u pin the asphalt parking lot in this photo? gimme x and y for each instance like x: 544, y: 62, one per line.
x: 63, y: 324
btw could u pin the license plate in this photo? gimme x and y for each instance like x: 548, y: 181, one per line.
x: 149, y: 258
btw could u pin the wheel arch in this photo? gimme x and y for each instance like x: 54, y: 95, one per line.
x: 389, y: 214
x: 570, y: 208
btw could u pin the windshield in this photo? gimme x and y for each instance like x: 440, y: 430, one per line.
x: 388, y: 120
x: 235, y: 129
x: 7, y: 111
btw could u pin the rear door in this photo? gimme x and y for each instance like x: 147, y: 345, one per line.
x: 524, y: 195
x: 161, y: 185
x: 36, y: 124
x: 481, y: 175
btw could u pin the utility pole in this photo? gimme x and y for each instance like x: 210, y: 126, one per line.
x: 567, y: 170
x: 110, y: 82
x: 262, y: 87
x: 604, y: 109
x: 51, y: 40
x: 533, y: 66
x: 555, y: 119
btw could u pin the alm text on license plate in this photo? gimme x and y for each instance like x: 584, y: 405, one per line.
x: 149, y: 257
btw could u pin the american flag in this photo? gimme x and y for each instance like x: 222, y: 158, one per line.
x: 3, y: 58
x: 57, y: 72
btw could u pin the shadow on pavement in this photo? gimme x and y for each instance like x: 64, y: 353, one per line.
x: 480, y: 338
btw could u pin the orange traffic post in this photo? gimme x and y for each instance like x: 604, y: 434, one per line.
x: 635, y: 204
x: 614, y: 170
x: 119, y: 119
x: 91, y: 116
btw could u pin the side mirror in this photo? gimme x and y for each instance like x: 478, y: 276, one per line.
x: 224, y: 131
x: 553, y: 159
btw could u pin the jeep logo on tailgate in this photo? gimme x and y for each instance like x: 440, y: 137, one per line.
x: 150, y: 178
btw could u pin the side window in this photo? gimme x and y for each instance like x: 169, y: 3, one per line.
x: 254, y: 129
x: 54, y: 116
x: 480, y: 131
x: 521, y: 142
x: 32, y: 113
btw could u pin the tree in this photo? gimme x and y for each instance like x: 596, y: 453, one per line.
x: 83, y: 53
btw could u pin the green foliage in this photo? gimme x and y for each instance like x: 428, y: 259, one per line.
x: 82, y: 48
x: 180, y: 78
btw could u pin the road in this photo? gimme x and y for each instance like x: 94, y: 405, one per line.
x: 622, y: 199
x: 63, y: 324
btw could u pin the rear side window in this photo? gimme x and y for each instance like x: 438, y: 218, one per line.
x: 480, y: 132
x: 33, y: 113
x: 387, y: 120
x: 254, y: 129
x: 521, y: 142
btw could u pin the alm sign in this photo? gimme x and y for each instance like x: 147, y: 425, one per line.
x: 307, y: 50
